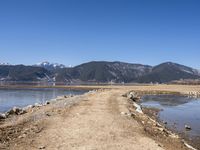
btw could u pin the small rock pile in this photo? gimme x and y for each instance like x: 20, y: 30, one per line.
x: 20, y: 111
x: 133, y: 96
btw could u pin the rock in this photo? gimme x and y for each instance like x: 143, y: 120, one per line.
x: 22, y: 112
x: 125, y: 114
x: 133, y: 96
x: 124, y: 95
x: 174, y: 136
x: 28, y: 107
x: 13, y: 111
x: 47, y: 103
x: 189, y: 146
x: 187, y: 127
x: 2, y: 116
x: 128, y: 114
x: 42, y: 147
x: 165, y: 122
x: 161, y: 129
x: 37, y: 105
x: 138, y: 108
x: 16, y: 111
x: 22, y: 136
x: 122, y: 113
x: 158, y: 125
x: 71, y: 95
x: 47, y: 114
x: 133, y: 115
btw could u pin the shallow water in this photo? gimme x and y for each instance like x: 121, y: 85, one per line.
x: 23, y: 97
x: 177, y: 111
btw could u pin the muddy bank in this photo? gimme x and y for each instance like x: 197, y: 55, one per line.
x: 154, y: 114
x: 155, y: 127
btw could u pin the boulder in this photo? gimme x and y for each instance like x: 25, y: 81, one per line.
x: 13, y: 111
x: 133, y: 96
x: 138, y: 108
x: 187, y: 127
x: 47, y: 103
x: 2, y: 116
x: 16, y: 111
x: 22, y: 112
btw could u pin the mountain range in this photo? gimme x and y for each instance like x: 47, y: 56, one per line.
x: 99, y: 72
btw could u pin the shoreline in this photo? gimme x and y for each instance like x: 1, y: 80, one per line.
x: 151, y: 133
x: 149, y: 116
x: 192, y: 143
x: 22, y: 109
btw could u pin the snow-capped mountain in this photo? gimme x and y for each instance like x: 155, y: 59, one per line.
x: 50, y: 66
x: 4, y: 64
x: 98, y: 71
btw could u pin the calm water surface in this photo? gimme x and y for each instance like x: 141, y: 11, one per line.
x: 23, y: 97
x: 177, y: 111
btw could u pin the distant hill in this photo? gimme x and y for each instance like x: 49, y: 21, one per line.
x: 106, y: 71
x: 23, y: 73
x: 169, y: 71
x: 99, y: 71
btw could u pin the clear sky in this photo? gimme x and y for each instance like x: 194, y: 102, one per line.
x: 76, y: 31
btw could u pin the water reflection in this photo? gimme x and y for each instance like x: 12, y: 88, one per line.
x: 23, y: 97
x: 177, y: 111
x: 165, y: 100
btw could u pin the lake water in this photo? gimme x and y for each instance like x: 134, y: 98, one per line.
x: 23, y: 97
x: 177, y: 111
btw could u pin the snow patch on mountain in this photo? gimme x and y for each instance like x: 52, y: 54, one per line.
x: 4, y: 64
x: 191, y: 71
x: 50, y: 66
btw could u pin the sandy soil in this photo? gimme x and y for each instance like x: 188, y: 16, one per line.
x: 94, y: 120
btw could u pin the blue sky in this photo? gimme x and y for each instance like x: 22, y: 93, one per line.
x: 76, y: 31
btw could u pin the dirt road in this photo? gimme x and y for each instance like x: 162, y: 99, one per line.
x: 94, y: 123
x: 96, y: 120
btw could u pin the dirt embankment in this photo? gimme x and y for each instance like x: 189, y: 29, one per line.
x: 96, y: 120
